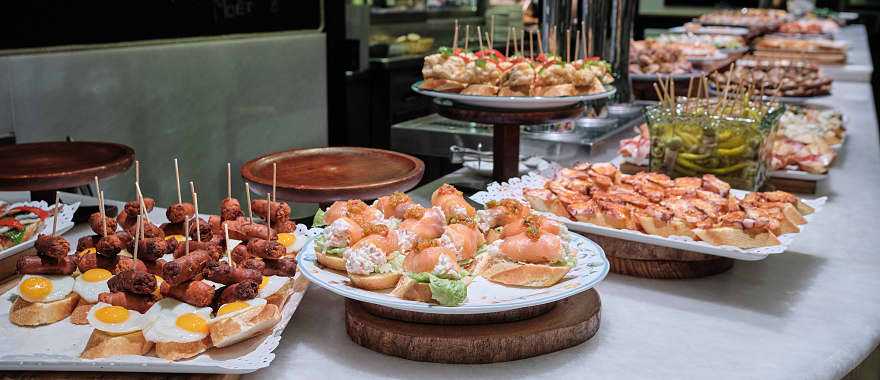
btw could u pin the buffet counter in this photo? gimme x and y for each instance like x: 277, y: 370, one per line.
x: 809, y: 313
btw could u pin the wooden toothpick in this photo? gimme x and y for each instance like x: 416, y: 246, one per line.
x: 455, y: 37
x: 480, y: 37
x: 137, y: 171
x: 507, y: 44
x: 186, y: 235
x: 467, y: 36
x: 274, y: 182
x: 140, y: 197
x: 228, y: 180
x: 568, y: 45
x: 268, y: 216
x: 55, y: 217
x: 491, y: 39
x: 198, y: 221
x: 103, y: 213
x: 177, y: 178
x: 228, y: 251
x: 247, y: 191
x: 139, y: 225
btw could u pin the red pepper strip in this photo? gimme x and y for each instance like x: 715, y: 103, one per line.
x: 496, y: 53
x: 40, y: 213
x: 12, y: 223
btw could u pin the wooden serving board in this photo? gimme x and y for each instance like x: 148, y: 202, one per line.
x: 60, y: 164
x: 650, y: 261
x: 570, y: 322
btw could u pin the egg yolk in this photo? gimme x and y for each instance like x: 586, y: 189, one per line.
x: 192, y: 322
x: 286, y: 239
x: 87, y: 250
x: 179, y: 238
x: 264, y: 282
x: 96, y: 274
x: 232, y: 307
x: 36, y: 287
x: 112, y: 314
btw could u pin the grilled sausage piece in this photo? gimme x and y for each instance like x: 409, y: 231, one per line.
x: 126, y: 264
x: 138, y: 302
x: 285, y: 267
x: 242, y: 229
x: 267, y: 249
x: 152, y: 249
x: 93, y: 260
x: 185, y: 268
x: 204, y: 230
x: 52, y: 246
x: 110, y: 245
x: 132, y: 282
x: 154, y: 267
x: 222, y: 273
x: 230, y: 209
x: 214, y: 249
x: 238, y: 292
x: 133, y: 208
x: 86, y: 242
x: 45, y: 265
x: 280, y: 210
x: 178, y: 212
x: 98, y: 227
x: 195, y: 293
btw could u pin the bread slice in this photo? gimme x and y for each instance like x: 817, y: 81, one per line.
x: 102, y: 345
x: 80, y: 312
x: 736, y: 237
x: 330, y: 261
x: 412, y: 290
x: 653, y: 226
x: 497, y: 269
x: 804, y: 208
x: 545, y: 200
x: 793, y: 215
x: 237, y: 328
x: 514, y: 91
x: 442, y: 85
x: 175, y: 351
x: 29, y: 231
x: 377, y: 281
x: 480, y: 89
x: 26, y: 313
x: 280, y: 297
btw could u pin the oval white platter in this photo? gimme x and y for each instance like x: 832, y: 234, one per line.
x: 65, y: 223
x: 513, y: 189
x: 653, y: 77
x: 483, y: 296
x: 719, y: 55
x: 515, y: 102
x: 726, y: 30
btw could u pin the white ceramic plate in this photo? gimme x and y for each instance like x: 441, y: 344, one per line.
x: 738, y: 50
x: 65, y: 223
x: 716, y: 57
x: 653, y: 77
x: 515, y: 102
x: 797, y: 174
x: 513, y: 189
x: 727, y: 30
x: 56, y: 347
x: 483, y: 296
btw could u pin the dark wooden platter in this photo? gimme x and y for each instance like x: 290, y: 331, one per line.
x: 500, y: 338
x: 60, y: 164
x: 321, y: 175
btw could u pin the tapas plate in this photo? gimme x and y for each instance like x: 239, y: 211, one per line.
x: 483, y: 296
x: 514, y: 189
x: 715, y: 57
x: 726, y: 30
x: 65, y: 223
x: 57, y: 347
x: 515, y: 102
x: 653, y: 77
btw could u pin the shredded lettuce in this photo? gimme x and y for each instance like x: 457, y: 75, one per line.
x: 318, y: 221
x: 321, y: 246
x: 335, y: 251
x: 447, y: 292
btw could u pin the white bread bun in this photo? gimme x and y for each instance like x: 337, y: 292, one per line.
x: 176, y: 351
x: 736, y: 237
x: 80, y: 312
x: 330, y: 261
x: 26, y: 313
x: 496, y: 268
x: 103, y: 345
x: 377, y: 281
x: 229, y: 331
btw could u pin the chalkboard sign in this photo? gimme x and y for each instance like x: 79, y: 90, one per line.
x: 42, y: 23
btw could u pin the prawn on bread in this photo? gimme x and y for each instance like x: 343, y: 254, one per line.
x: 375, y: 262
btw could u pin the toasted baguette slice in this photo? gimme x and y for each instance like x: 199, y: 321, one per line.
x: 280, y: 297
x: 498, y: 269
x: 443, y: 85
x: 514, y: 91
x: 26, y: 313
x: 480, y: 89
x: 736, y: 237
x: 376, y: 281
x: 330, y: 261
x: 103, y: 345
x: 176, y: 351
x: 80, y: 312
x: 29, y: 231
x: 793, y: 214
x: 557, y: 90
x: 600, y: 218
x: 413, y: 290
x: 545, y: 200
x: 229, y: 331
x: 653, y: 226
x: 804, y: 208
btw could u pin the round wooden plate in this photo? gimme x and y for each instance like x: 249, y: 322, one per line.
x: 571, y: 322
x: 637, y: 259
x: 322, y: 175
x: 60, y: 164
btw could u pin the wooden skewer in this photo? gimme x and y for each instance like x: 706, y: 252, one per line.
x: 662, y: 88
x: 540, y: 44
x: 522, y: 41
x: 137, y: 171
x: 531, y: 45
x: 103, y: 213
x: 198, y: 221
x: 659, y: 94
x: 229, y: 180
x: 55, y: 217
x: 568, y: 45
x: 247, y: 191
x: 455, y: 37
x: 228, y: 251
x: 140, y: 197
x: 274, y: 182
x: 467, y: 36
x: 480, y: 37
x: 488, y: 46
x: 507, y: 44
x: 589, y: 42
x: 177, y: 178
x: 268, y: 217
x: 137, y: 234
x: 186, y: 236
x: 490, y: 39
x: 577, y: 45
x: 552, y: 40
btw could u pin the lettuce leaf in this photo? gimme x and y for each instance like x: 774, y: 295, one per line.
x: 421, y: 277
x: 336, y: 251
x: 447, y: 292
x: 318, y: 220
